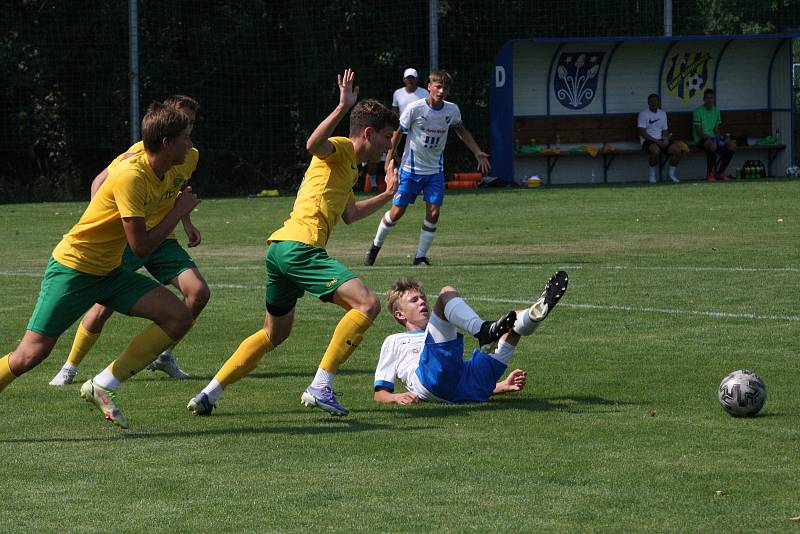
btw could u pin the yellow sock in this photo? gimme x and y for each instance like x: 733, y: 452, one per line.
x: 6, y: 375
x: 245, y: 359
x: 142, y: 350
x: 347, y: 336
x: 81, y: 345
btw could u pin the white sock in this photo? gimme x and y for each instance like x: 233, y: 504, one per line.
x: 166, y: 354
x: 213, y: 390
x: 426, y: 236
x: 460, y: 314
x: 68, y: 367
x: 671, y: 172
x: 525, y: 325
x: 383, y: 230
x: 504, y: 352
x: 107, y: 380
x: 440, y: 329
x: 651, y: 173
x: 322, y: 378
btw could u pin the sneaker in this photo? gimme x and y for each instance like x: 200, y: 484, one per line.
x: 200, y: 405
x: 106, y: 402
x: 553, y: 291
x: 65, y: 376
x: 422, y: 260
x: 674, y: 180
x: 372, y: 253
x: 490, y: 331
x: 167, y: 363
x: 724, y: 177
x: 711, y: 177
x: 324, y: 399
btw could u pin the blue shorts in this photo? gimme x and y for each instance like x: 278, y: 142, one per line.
x: 411, y: 185
x: 444, y: 372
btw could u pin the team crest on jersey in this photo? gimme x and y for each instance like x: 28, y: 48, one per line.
x: 178, y: 180
x: 575, y: 83
x: 447, y: 119
x: 416, y: 350
x: 687, y: 74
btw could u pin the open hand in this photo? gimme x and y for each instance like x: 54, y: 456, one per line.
x: 391, y: 177
x: 483, y: 163
x: 347, y: 93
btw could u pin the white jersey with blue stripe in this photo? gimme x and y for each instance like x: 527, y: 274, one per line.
x: 427, y: 130
x: 399, y: 358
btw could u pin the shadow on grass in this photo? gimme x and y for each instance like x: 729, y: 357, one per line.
x: 160, y: 377
x: 566, y: 403
x: 326, y: 426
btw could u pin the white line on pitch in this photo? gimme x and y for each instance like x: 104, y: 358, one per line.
x: 563, y: 266
x: 668, y: 311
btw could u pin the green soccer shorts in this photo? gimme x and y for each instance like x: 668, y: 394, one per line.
x: 66, y: 294
x: 165, y: 263
x: 294, y: 268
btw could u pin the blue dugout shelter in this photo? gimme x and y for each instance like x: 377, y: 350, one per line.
x: 565, y: 109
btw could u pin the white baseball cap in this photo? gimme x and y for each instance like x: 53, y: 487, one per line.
x: 410, y: 72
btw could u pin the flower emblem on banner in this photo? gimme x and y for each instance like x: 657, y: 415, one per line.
x: 575, y: 84
x: 687, y: 74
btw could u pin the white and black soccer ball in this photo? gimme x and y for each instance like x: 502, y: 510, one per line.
x: 742, y: 393
x: 794, y: 170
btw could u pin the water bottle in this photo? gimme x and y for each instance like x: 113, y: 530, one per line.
x: 558, y: 142
x: 777, y: 136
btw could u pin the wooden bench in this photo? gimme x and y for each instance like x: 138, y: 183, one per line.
x: 622, y: 128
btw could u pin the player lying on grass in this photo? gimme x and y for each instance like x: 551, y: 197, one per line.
x: 169, y: 263
x: 296, y: 259
x: 428, y: 357
x: 85, y: 266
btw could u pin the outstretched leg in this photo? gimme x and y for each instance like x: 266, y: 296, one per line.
x: 451, y: 307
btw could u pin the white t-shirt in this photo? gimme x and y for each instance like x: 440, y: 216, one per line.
x: 654, y: 123
x: 399, y: 359
x: 402, y: 98
x: 427, y: 130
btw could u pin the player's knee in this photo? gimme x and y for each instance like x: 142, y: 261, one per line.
x: 198, y: 298
x: 449, y: 291
x: 178, y: 321
x: 96, y: 318
x: 371, y: 306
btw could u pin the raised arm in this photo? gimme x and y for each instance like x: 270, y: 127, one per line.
x: 483, y: 158
x: 318, y: 143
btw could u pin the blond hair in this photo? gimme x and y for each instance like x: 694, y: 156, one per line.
x: 398, y: 289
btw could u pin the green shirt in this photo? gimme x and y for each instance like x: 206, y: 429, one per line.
x: 707, y: 119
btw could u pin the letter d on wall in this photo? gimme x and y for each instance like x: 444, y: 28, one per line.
x: 499, y: 76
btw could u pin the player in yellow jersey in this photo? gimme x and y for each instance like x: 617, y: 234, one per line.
x: 296, y: 260
x: 169, y: 263
x: 85, y: 266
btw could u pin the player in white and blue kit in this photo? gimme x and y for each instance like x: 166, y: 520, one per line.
x: 428, y: 358
x: 427, y: 123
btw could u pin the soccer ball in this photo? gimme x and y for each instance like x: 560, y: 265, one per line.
x: 793, y: 171
x: 742, y: 393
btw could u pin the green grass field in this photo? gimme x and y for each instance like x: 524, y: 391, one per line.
x: 619, y: 428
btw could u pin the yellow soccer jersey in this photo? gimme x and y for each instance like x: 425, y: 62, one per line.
x: 95, y: 244
x: 327, y: 189
x: 175, y: 179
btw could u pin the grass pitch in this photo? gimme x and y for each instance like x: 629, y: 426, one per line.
x: 671, y: 287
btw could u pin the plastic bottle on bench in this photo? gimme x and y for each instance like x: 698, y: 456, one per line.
x: 558, y: 142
